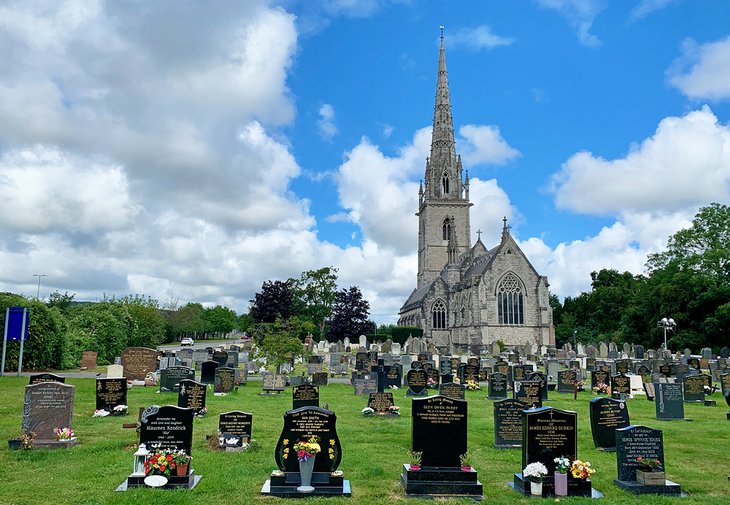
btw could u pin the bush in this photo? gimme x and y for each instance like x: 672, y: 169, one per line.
x: 401, y: 333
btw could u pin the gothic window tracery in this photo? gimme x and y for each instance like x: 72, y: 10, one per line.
x: 510, y: 301
x: 447, y: 229
x: 438, y: 314
x: 445, y: 184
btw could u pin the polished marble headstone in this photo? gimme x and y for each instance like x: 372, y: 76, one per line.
x: 607, y: 415
x: 508, y: 423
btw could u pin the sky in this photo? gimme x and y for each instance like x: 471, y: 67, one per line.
x: 190, y: 151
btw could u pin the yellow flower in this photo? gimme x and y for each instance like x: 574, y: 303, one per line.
x: 332, y: 441
x: 286, y: 441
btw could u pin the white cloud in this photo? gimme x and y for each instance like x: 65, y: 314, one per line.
x: 580, y: 14
x: 684, y: 165
x: 484, y: 144
x: 703, y: 70
x: 326, y: 122
x: 646, y: 7
x: 477, y: 38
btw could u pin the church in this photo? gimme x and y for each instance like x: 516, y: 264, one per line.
x: 468, y: 296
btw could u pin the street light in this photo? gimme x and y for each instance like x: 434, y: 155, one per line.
x: 38, y: 293
x: 667, y: 325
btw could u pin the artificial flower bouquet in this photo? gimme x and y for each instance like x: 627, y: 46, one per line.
x: 307, y: 448
x: 581, y: 469
x: 63, y: 433
x: 535, y: 472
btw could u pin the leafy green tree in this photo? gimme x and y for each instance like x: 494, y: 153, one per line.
x: 244, y: 322
x: 149, y: 325
x: 275, y: 300
x: 315, y: 293
x: 219, y: 320
x: 350, y: 314
x: 104, y: 327
x: 278, y: 342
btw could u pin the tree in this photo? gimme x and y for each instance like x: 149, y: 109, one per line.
x: 350, y: 313
x: 219, y: 319
x: 275, y: 300
x: 315, y: 292
x: 150, y: 326
x: 278, y: 342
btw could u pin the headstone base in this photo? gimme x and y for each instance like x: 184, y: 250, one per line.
x: 173, y: 481
x: 285, y: 485
x: 576, y: 487
x: 55, y: 444
x: 441, y: 482
x: 710, y: 403
x: 669, y: 487
x: 410, y: 393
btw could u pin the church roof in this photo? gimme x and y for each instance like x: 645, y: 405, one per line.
x: 417, y: 297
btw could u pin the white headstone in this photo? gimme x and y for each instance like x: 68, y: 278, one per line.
x: 114, y: 371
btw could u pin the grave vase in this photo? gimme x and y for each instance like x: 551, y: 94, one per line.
x: 305, y: 473
x: 536, y: 488
x: 649, y: 478
x: 561, y: 484
x: 182, y: 470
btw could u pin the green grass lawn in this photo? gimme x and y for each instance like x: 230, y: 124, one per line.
x: 697, y: 453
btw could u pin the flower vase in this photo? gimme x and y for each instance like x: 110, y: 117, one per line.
x: 561, y: 484
x: 305, y: 473
x: 182, y: 470
x: 536, y: 488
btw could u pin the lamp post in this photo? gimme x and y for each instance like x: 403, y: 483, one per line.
x: 667, y: 325
x: 38, y: 293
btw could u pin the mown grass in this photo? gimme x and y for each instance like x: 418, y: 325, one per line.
x: 373, y: 451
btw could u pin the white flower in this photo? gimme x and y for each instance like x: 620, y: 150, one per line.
x: 101, y: 413
x: 535, y: 471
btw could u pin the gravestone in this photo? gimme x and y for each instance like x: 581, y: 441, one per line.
x: 47, y: 406
x: 694, y: 389
x: 192, y: 395
x: 381, y: 403
x: 543, y: 380
x: 453, y: 390
x: 620, y: 385
x: 236, y: 423
x: 305, y: 395
x: 220, y: 357
x: 508, y: 423
x: 272, y: 383
x: 319, y: 378
x: 225, y: 379
x: 393, y: 375
x: 365, y: 386
x: 599, y: 377
x: 111, y: 393
x: 607, y: 415
x: 497, y: 388
x: 566, y: 381
x: 138, y: 362
x: 725, y: 352
x: 114, y: 371
x: 439, y: 433
x: 88, y: 359
x: 635, y: 441
x: 170, y: 377
x: 417, y: 381
x: 529, y: 392
x: 207, y: 372
x: 46, y: 377
x: 668, y: 401
x: 623, y: 366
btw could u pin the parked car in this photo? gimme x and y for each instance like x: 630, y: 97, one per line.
x: 187, y: 341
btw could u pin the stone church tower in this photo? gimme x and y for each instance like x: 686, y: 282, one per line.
x: 468, y: 296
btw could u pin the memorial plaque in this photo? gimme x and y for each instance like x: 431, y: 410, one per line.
x: 566, y: 381
x: 417, y: 382
x: 455, y: 363
x: 694, y: 389
x: 543, y: 380
x: 46, y: 377
x: 508, y: 423
x: 319, y: 378
x: 439, y: 430
x: 365, y: 386
x: 607, y: 415
x: 453, y: 390
x: 111, y: 393
x: 169, y: 427
x: 668, y: 401
x: 620, y: 384
x: 225, y: 379
x: 497, y: 386
x: 635, y: 441
x: 170, y: 377
x: 236, y: 422
x: 623, y: 366
x: 362, y: 363
x: 138, y: 362
x: 548, y: 433
x: 445, y: 366
x: 302, y: 424
x: 305, y: 395
x: 529, y: 392
x: 47, y: 406
x: 192, y: 395
x: 381, y: 402
x: 207, y: 372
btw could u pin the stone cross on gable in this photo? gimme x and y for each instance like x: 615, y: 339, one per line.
x: 479, y: 234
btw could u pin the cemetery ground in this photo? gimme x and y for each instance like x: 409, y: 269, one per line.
x: 374, y: 450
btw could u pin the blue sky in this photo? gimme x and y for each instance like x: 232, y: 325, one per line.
x: 191, y: 151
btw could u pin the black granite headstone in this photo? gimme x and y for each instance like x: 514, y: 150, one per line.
x: 635, y: 441
x: 302, y: 424
x: 439, y: 430
x: 508, y: 423
x: 46, y: 377
x: 168, y: 426
x: 417, y: 381
x: 305, y: 395
x: 548, y: 433
x: 393, y: 376
x: 171, y: 376
x: 381, y: 402
x: 529, y: 392
x: 207, y: 372
x: 607, y: 415
x: 111, y: 393
x: 620, y: 384
x: 694, y: 389
x: 566, y: 381
x: 497, y: 386
x: 192, y: 395
x: 220, y: 357
x: 453, y: 390
x: 236, y: 422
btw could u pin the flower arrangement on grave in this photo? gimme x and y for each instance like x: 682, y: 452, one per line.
x: 24, y: 441
x: 464, y: 462
x: 201, y: 412
x: 160, y: 462
x: 415, y: 460
x: 394, y: 409
x: 307, y: 448
x: 535, y: 472
x: 367, y: 411
x: 579, y: 386
x: 472, y: 385
x: 392, y: 386
x: 649, y: 464
x: 562, y: 464
x: 101, y: 413
x: 180, y: 457
x: 431, y: 383
x: 602, y: 389
x: 581, y: 469
x: 63, y: 434
x: 120, y: 410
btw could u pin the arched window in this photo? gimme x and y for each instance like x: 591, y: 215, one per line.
x: 447, y: 229
x: 445, y: 184
x: 510, y: 301
x: 438, y: 314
